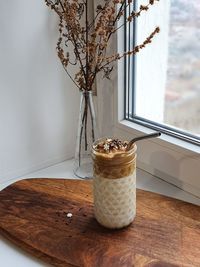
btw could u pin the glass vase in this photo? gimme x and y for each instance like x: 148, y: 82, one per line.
x: 86, y: 135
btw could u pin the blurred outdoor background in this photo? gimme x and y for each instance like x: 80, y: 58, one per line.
x: 182, y: 97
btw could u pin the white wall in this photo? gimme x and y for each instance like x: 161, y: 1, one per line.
x: 38, y: 103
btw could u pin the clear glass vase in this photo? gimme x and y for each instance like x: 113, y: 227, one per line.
x: 86, y: 135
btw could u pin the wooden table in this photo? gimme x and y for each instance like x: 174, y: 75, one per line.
x: 33, y: 215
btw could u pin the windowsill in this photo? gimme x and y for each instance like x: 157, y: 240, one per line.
x: 165, y: 140
x: 170, y: 159
x: 12, y: 256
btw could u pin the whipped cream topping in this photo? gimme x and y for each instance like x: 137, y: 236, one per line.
x: 110, y: 146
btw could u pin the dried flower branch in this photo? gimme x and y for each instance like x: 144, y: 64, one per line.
x: 90, y: 41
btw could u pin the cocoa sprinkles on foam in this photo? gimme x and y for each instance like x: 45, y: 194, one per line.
x: 111, y: 146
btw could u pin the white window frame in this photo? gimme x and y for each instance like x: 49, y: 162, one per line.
x: 168, y: 158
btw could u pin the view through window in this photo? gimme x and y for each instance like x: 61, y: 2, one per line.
x: 163, y: 81
x: 182, y: 96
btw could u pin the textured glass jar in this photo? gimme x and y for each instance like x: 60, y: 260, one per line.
x: 86, y: 135
x: 114, y: 187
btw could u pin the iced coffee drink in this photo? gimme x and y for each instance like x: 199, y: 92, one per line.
x: 114, y: 182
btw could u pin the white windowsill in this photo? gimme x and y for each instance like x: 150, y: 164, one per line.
x: 166, y: 157
x: 165, y: 140
x: 12, y: 256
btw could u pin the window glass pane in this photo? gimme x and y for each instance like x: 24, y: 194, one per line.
x: 167, y: 72
x: 182, y: 96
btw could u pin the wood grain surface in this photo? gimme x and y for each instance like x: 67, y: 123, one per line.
x: 33, y: 215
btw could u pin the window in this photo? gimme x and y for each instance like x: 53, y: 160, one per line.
x: 163, y: 81
x: 140, y: 102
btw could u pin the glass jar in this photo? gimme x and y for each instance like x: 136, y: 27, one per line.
x: 114, y: 187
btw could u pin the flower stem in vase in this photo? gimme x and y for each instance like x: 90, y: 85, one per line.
x: 86, y: 136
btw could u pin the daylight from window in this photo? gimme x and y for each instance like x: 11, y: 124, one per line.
x: 182, y: 96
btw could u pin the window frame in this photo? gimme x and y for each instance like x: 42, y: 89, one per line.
x: 178, y: 160
x: 130, y: 89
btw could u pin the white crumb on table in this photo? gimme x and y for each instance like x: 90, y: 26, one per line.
x: 69, y: 215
